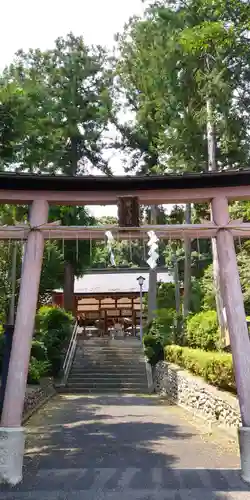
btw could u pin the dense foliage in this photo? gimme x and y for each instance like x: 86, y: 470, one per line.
x: 202, y: 331
x: 53, y: 330
x: 182, y: 69
x: 153, y: 348
x: 215, y: 367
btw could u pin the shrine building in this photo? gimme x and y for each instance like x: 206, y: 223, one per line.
x: 110, y: 295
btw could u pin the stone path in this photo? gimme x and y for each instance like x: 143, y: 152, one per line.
x: 125, y: 448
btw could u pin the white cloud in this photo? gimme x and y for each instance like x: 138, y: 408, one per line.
x: 28, y: 24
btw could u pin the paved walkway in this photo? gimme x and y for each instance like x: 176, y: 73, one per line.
x: 125, y: 448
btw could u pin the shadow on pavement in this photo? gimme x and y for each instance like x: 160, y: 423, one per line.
x: 75, y: 442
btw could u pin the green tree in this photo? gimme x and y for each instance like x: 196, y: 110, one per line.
x: 175, y: 62
x: 56, y: 106
x: 58, y: 102
x: 77, y: 255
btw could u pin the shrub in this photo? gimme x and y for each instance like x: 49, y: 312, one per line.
x: 161, y: 331
x: 215, y: 367
x: 37, y: 370
x: 53, y: 318
x: 164, y: 326
x: 153, y: 348
x: 38, y: 350
x: 202, y: 331
x: 220, y: 372
x: 54, y: 328
x: 173, y: 354
x: 165, y: 295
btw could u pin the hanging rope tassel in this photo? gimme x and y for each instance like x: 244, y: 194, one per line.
x: 77, y: 248
x: 63, y: 247
x: 198, y: 248
x: 90, y: 250
x: 153, y: 250
x: 49, y: 248
x: 110, y: 241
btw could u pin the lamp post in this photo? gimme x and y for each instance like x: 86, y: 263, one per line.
x: 141, y: 281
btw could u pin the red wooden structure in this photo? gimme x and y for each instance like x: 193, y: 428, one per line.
x: 40, y: 191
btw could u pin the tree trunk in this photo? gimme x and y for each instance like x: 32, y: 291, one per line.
x: 69, y: 271
x: 177, y: 287
x: 11, y: 316
x: 68, y: 291
x: 212, y: 166
x: 152, y: 286
x: 187, y: 266
x: 178, y: 337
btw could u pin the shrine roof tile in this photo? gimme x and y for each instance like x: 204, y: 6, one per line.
x: 115, y: 282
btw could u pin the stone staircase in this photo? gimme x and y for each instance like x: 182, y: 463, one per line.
x: 108, y: 366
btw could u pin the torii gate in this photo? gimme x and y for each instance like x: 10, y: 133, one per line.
x: 40, y: 191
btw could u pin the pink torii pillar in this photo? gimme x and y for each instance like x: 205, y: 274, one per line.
x: 237, y: 326
x: 12, y: 438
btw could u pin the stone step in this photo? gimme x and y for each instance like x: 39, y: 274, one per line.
x: 110, y: 348
x: 99, y: 367
x: 108, y: 383
x: 142, y: 389
x: 105, y: 361
x: 112, y: 351
x: 106, y: 376
x: 103, y: 390
x: 108, y: 357
x: 110, y: 367
x: 107, y: 373
x: 127, y: 352
x: 103, y: 383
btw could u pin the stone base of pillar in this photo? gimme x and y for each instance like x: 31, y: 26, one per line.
x: 244, y: 442
x: 12, y: 442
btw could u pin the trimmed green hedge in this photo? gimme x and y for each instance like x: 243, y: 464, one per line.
x: 202, y: 331
x: 215, y: 367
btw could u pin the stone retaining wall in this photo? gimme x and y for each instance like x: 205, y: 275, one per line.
x: 194, y: 394
x: 36, y: 396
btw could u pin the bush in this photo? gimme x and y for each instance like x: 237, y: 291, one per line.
x: 53, y: 318
x: 38, y: 350
x: 161, y: 331
x: 202, y: 331
x: 54, y: 328
x: 37, y: 370
x: 153, y: 348
x: 215, y: 367
x: 164, y: 326
x: 165, y: 296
